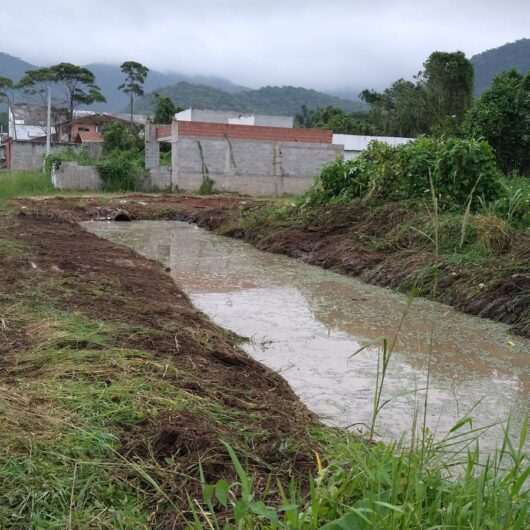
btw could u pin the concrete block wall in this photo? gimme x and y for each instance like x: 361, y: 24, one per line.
x: 30, y: 155
x: 72, y: 176
x: 152, y: 147
x: 157, y: 179
x: 250, y: 166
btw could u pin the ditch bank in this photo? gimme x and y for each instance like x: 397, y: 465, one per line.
x: 486, y: 273
x: 115, y: 388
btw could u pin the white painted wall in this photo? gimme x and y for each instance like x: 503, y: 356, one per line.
x: 242, y: 120
x: 233, y: 117
x: 355, y: 143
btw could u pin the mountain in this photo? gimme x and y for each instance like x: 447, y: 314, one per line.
x: 492, y: 62
x: 109, y: 77
x: 13, y: 67
x: 285, y: 100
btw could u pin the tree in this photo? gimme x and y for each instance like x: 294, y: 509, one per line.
x: 448, y: 82
x: 332, y: 118
x: 502, y: 116
x: 7, y: 95
x: 398, y: 110
x: 165, y: 109
x: 435, y: 104
x: 135, y: 74
x: 76, y: 83
x: 119, y: 137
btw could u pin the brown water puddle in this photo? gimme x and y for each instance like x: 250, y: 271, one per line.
x: 307, y: 322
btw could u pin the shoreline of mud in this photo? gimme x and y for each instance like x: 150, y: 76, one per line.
x: 338, y: 246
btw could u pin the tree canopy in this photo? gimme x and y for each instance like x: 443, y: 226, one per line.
x: 165, y: 109
x: 135, y: 74
x: 77, y: 84
x: 435, y: 103
x: 502, y: 116
x: 334, y: 118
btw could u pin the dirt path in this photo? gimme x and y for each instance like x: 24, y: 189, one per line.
x: 57, y: 281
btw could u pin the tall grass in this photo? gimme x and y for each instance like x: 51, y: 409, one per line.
x: 364, y: 486
x: 24, y: 183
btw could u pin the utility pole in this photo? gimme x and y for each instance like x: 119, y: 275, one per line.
x: 49, y: 121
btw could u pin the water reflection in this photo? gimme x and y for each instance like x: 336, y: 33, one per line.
x: 306, y: 322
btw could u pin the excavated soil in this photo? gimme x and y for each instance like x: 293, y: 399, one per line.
x: 69, y: 265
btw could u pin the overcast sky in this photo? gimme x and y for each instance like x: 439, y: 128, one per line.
x: 326, y: 44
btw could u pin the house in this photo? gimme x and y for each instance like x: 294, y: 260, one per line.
x: 93, y: 123
x: 25, y: 147
x: 232, y: 117
x: 354, y: 144
x: 27, y: 122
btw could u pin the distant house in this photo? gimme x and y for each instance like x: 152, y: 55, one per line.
x: 354, y: 143
x: 27, y: 122
x: 91, y: 125
x: 25, y: 147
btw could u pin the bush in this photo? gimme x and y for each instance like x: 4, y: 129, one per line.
x: 465, y: 170
x: 461, y: 171
x: 118, y: 137
x: 54, y: 160
x: 513, y: 203
x: 121, y: 170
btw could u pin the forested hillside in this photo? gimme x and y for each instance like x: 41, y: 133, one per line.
x: 285, y: 100
x: 490, y: 63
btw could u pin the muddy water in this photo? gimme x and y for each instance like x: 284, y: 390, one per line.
x: 306, y: 323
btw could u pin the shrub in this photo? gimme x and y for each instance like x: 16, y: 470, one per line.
x: 465, y: 170
x: 120, y: 170
x: 54, y: 160
x: 118, y: 137
x: 461, y: 171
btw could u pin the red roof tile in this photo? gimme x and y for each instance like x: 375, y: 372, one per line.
x: 88, y: 137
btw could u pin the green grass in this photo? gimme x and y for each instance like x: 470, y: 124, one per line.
x: 23, y: 184
x: 388, y: 486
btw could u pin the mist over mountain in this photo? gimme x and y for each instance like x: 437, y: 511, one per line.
x: 220, y: 93
x: 192, y: 91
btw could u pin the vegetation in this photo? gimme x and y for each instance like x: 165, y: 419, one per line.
x: 23, y: 184
x: 54, y: 160
x: 436, y: 103
x: 462, y: 171
x: 491, y: 63
x: 122, y: 163
x: 77, y: 84
x: 267, y: 100
x: 365, y: 486
x: 502, y: 115
x: 135, y: 74
x: 165, y: 109
x: 334, y: 118
x: 6, y: 90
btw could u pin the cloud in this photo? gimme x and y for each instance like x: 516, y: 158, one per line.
x: 329, y: 44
